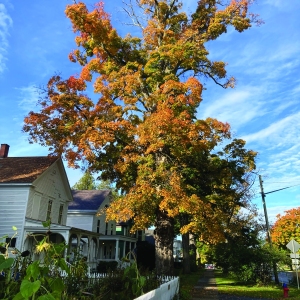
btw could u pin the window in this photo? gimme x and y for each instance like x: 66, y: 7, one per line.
x: 11, y: 242
x: 49, y: 210
x: 60, y: 216
x: 111, y: 229
x: 106, y: 227
x: 98, y: 226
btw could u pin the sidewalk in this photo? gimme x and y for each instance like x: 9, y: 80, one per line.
x: 206, y: 287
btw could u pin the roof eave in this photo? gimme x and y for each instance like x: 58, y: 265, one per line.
x: 15, y: 183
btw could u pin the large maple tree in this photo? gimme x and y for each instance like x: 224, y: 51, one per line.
x: 142, y: 132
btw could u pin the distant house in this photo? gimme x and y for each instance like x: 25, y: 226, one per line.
x: 87, y: 211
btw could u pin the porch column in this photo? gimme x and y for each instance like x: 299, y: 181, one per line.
x: 89, y: 249
x: 124, y: 249
x: 97, y: 249
x: 67, y: 239
x: 100, y: 249
x: 117, y: 250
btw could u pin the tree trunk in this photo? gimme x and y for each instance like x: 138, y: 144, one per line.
x: 186, y: 254
x: 184, y: 220
x: 164, y: 238
x: 193, y: 254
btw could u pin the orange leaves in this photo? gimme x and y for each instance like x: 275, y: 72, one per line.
x: 75, y: 84
x: 86, y: 21
x: 286, y: 227
x: 95, y: 31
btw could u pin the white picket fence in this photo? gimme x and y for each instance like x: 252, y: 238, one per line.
x: 167, y: 291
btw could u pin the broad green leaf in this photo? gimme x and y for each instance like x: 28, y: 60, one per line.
x: 46, y: 297
x: 7, y: 263
x: 46, y: 223
x: 56, y: 284
x: 142, y: 280
x: 2, y: 259
x: 33, y: 270
x: 18, y: 296
x: 28, y: 288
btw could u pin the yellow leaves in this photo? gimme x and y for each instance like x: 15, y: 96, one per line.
x: 235, y: 14
x: 42, y: 246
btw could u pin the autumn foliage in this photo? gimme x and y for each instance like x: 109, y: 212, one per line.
x: 286, y: 228
x: 142, y: 131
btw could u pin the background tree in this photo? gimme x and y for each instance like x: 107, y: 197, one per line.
x: 142, y: 132
x: 244, y: 254
x: 286, y: 228
x: 224, y: 181
x: 86, y: 182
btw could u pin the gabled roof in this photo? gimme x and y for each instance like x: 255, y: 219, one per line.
x: 88, y: 199
x: 23, y: 169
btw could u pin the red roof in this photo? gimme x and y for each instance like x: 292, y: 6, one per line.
x: 23, y: 169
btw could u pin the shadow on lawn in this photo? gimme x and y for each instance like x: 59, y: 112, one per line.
x: 233, y: 297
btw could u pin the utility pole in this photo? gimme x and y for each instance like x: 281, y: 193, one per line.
x: 263, y: 197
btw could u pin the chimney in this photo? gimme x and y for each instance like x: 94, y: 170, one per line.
x: 4, y: 150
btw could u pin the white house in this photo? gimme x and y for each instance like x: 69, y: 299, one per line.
x: 36, y: 189
x: 32, y: 190
x: 87, y: 211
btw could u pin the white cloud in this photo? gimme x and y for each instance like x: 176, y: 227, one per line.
x: 5, y: 24
x: 279, y: 3
x: 237, y: 107
x: 29, y: 98
x: 278, y: 133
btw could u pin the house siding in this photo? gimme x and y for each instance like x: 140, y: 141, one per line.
x: 80, y: 221
x: 49, y: 186
x: 13, y: 202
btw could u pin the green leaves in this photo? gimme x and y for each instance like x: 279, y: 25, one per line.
x: 47, y: 297
x: 33, y: 270
x: 29, y: 288
x: 46, y: 224
x: 5, y: 263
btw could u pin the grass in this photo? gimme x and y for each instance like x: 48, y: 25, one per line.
x: 230, y: 286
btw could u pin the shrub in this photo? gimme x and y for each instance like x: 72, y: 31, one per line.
x: 107, y: 266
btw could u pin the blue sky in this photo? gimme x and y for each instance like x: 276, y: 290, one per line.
x: 263, y: 109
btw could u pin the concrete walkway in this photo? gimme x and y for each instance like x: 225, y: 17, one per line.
x: 206, y: 287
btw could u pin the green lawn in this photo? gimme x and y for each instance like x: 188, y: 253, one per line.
x: 228, y: 285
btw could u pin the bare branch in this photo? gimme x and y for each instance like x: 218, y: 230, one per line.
x: 132, y: 15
